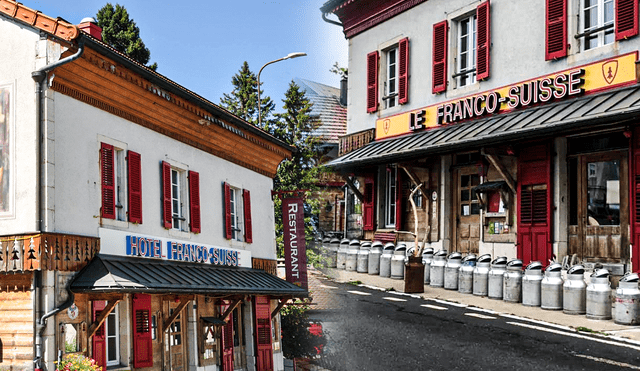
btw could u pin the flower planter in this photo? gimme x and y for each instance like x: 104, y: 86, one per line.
x: 414, y: 275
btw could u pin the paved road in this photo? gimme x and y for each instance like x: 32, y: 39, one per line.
x: 375, y: 330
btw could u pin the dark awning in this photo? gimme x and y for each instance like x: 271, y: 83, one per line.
x: 490, y: 186
x: 122, y: 274
x: 597, y: 110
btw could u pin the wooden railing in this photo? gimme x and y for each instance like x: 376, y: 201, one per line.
x: 351, y: 142
x: 46, y: 251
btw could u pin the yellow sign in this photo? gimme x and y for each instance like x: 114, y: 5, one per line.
x: 591, y: 78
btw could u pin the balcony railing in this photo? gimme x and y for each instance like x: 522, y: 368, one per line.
x: 46, y: 251
x: 351, y: 142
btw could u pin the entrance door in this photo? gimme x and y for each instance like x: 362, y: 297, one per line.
x: 175, y: 352
x: 264, y: 353
x: 227, y: 342
x: 599, y: 216
x: 466, y: 210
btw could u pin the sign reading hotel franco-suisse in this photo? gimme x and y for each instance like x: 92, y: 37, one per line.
x: 131, y: 244
x: 295, y: 251
x: 590, y: 78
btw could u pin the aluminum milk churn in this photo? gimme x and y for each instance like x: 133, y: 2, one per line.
x: 363, y: 257
x: 551, y: 288
x: 531, y: 284
x: 599, y: 295
x: 385, y: 259
x: 342, y: 253
x: 437, y: 269
x: 465, y: 274
x: 481, y: 275
x: 451, y: 270
x: 325, y: 248
x: 627, y: 309
x: 352, y: 256
x: 574, y: 291
x: 498, y: 267
x: 374, y: 257
x: 334, y: 244
x: 512, y: 282
x: 397, y: 262
x: 427, y: 258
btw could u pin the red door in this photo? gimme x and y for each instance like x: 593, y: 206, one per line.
x: 534, y: 195
x: 227, y: 343
x: 264, y: 355
x: 98, y: 342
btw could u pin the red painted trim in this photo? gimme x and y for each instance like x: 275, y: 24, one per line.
x: 626, y: 19
x: 142, y: 343
x: 403, y: 71
x: 483, y: 40
x: 368, y: 204
x: 439, y: 67
x: 356, y: 25
x: 373, y: 59
x: 228, y: 233
x: 194, y: 202
x: 246, y: 202
x: 555, y: 29
x: 167, y: 217
x: 134, y: 168
x: 98, y: 341
x: 108, y: 180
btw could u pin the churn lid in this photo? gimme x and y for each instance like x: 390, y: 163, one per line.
x: 534, y: 265
x: 629, y: 277
x: 500, y: 260
x: 486, y: 258
x: 600, y: 273
x: 576, y: 269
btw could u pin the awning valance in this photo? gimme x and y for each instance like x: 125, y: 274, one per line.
x: 122, y: 274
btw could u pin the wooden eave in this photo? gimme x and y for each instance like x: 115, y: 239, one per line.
x: 102, y: 82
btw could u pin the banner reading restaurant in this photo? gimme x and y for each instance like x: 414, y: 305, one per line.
x: 295, y: 252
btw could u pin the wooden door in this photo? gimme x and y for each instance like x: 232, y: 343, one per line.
x: 264, y: 353
x: 175, y: 340
x: 227, y: 342
x: 466, y: 210
x: 98, y: 341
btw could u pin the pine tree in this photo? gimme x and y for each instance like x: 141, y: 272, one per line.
x: 243, y: 100
x: 121, y: 32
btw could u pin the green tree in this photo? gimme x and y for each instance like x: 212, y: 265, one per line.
x: 243, y: 100
x: 121, y: 32
x: 297, y: 340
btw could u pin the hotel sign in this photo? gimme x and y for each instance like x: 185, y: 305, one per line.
x: 591, y: 78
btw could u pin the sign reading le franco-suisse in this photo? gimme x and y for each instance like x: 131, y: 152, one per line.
x: 590, y: 78
x: 295, y: 251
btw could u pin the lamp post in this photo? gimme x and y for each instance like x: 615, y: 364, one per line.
x: 289, y: 56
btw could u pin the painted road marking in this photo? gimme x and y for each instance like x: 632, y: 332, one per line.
x: 328, y: 287
x: 603, y: 341
x: 478, y: 315
x: 488, y: 311
x: 359, y: 293
x: 450, y: 303
x: 608, y: 361
x: 393, y: 299
x: 433, y: 307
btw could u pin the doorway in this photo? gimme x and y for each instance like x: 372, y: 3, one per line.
x: 466, y: 209
x: 175, y: 347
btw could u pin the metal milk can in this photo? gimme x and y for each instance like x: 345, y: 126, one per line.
x: 465, y: 274
x: 342, y: 254
x: 362, y: 265
x: 334, y: 244
x: 437, y: 269
x: 551, y: 288
x: 574, y: 291
x: 427, y: 258
x: 451, y: 270
x: 512, y: 282
x: 498, y: 267
x: 627, y: 297
x: 599, y: 295
x: 397, y: 261
x: 352, y: 256
x: 385, y: 259
x: 481, y: 275
x: 374, y: 258
x: 531, y: 283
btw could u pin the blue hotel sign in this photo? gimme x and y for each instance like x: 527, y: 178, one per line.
x: 173, y: 250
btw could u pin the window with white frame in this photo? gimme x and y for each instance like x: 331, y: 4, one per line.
x: 597, y: 23
x: 113, y: 338
x: 178, y: 199
x: 235, y: 201
x: 466, y: 52
x: 390, y: 197
x: 120, y: 191
x: 391, y: 83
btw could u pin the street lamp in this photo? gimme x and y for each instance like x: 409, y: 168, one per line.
x: 289, y: 56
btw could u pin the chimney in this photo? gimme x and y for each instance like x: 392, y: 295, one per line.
x: 343, y: 91
x: 90, y: 26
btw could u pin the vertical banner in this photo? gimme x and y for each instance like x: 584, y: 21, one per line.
x: 295, y: 252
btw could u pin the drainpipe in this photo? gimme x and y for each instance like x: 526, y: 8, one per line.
x: 40, y: 76
x: 324, y: 18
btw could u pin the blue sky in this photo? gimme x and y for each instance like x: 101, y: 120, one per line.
x: 202, y: 44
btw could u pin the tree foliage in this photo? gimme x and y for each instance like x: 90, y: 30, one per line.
x: 121, y: 32
x: 297, y: 340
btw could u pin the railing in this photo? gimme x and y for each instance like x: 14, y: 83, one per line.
x: 351, y: 142
x: 46, y: 251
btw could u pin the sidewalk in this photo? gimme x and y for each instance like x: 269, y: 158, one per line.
x: 557, y: 317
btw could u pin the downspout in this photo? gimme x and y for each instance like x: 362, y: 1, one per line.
x: 324, y: 18
x: 40, y: 76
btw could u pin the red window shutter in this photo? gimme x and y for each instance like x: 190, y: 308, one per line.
x: 108, y: 210
x: 227, y: 342
x: 167, y: 218
x: 194, y: 201
x: 246, y: 201
x: 403, y: 69
x: 227, y: 212
x: 368, y: 205
x: 142, y: 344
x: 399, y: 201
x: 626, y: 18
x: 135, y: 187
x: 264, y: 354
x: 372, y: 81
x: 483, y: 40
x: 98, y: 341
x: 439, y: 73
x: 556, y: 29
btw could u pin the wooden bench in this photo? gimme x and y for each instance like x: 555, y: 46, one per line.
x: 385, y: 237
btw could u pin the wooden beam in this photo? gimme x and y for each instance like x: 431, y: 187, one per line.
x: 281, y: 303
x: 184, y: 301
x: 353, y: 188
x: 493, y: 159
x: 227, y: 312
x: 102, y: 317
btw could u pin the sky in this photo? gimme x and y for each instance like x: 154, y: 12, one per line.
x: 201, y: 44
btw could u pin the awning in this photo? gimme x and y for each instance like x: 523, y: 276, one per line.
x: 491, y: 186
x: 122, y: 274
x: 597, y: 110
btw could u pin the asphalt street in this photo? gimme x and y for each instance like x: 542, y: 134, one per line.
x: 377, y: 330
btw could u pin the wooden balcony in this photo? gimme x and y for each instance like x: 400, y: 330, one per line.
x: 351, y: 142
x: 46, y: 251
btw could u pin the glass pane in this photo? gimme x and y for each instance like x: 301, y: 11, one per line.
x: 603, y: 193
x: 608, y: 11
x: 111, y: 324
x: 475, y: 180
x: 111, y: 351
x: 475, y: 208
x: 464, y: 195
x: 464, y: 181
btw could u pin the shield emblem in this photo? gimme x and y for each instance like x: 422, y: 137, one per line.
x: 609, y: 71
x: 387, y: 125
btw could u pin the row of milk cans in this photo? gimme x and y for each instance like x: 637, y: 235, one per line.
x: 498, y: 278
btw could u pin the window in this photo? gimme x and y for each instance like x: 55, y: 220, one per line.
x: 395, y: 73
x: 113, y: 338
x: 390, y: 86
x: 597, y: 23
x: 174, y: 189
x: 390, y: 198
x: 176, y: 199
x: 235, y: 224
x: 468, y: 200
x: 466, y: 57
x: 237, y: 214
x: 115, y: 188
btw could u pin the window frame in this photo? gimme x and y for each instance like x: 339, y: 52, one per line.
x: 603, y: 29
x: 179, y: 219
x: 469, y: 72
x: 237, y: 213
x: 390, y: 189
x: 391, y: 65
x: 115, y: 317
